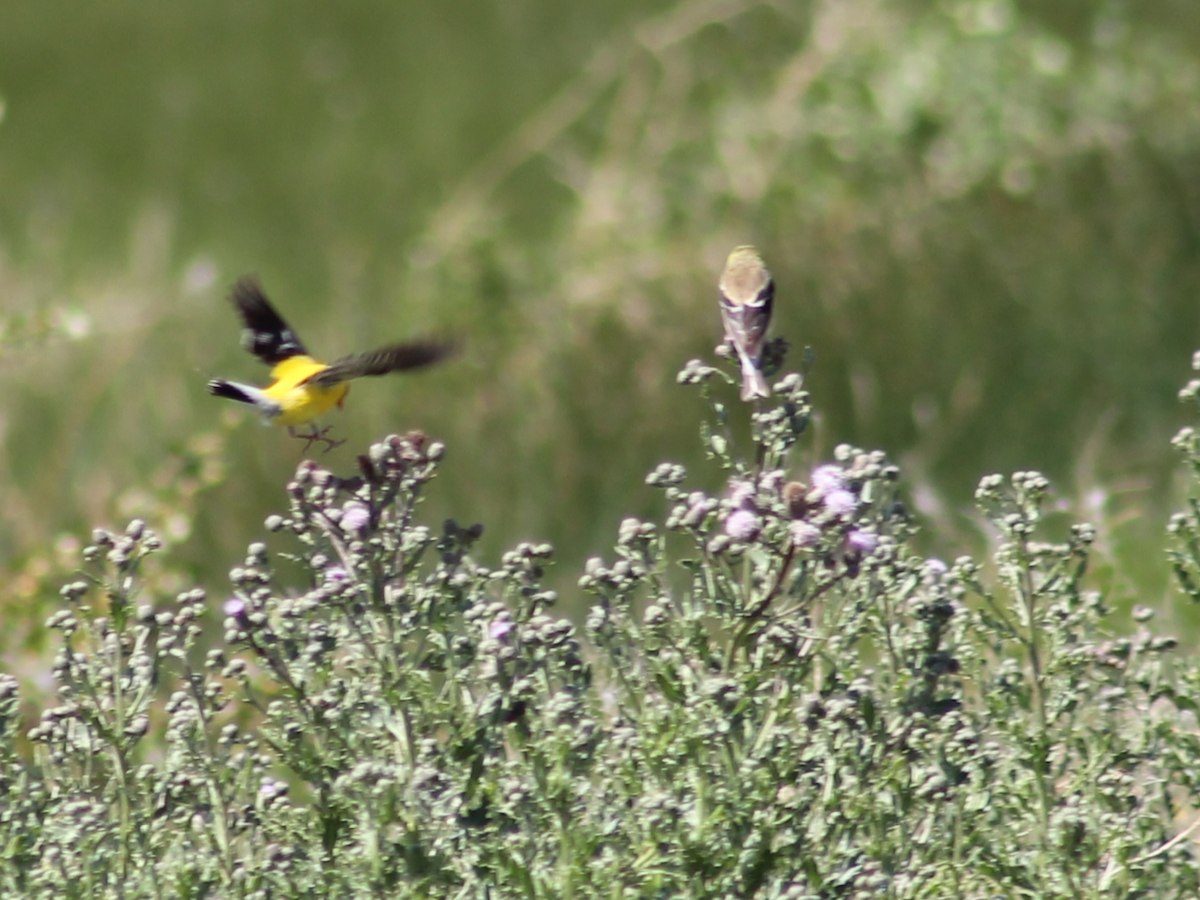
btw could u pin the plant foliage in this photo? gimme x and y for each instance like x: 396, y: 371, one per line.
x: 772, y: 696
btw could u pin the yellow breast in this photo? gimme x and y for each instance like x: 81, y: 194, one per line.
x: 301, y: 403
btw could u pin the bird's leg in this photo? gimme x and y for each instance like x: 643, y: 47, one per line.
x: 307, y: 438
x: 317, y: 435
x: 330, y: 443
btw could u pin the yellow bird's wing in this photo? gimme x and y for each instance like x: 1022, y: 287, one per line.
x: 392, y: 358
x: 264, y: 332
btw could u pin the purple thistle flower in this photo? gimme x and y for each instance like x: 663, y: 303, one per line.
x: 805, y: 535
x: 862, y: 541
x: 742, y: 525
x: 500, y: 628
x: 235, y: 609
x: 840, y: 502
x: 828, y: 478
x: 355, y: 517
x: 741, y: 495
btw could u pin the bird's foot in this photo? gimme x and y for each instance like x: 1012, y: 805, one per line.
x: 316, y: 435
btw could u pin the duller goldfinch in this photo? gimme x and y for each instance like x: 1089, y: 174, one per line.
x: 747, y: 292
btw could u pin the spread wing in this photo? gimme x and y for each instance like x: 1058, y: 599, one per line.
x: 392, y: 358
x: 264, y: 332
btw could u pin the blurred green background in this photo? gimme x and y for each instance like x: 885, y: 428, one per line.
x: 983, y: 216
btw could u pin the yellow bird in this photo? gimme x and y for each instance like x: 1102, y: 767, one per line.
x: 302, y: 389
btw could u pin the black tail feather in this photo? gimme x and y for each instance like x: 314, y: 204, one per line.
x: 228, y: 390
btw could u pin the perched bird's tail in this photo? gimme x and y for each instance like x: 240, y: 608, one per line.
x: 753, y: 383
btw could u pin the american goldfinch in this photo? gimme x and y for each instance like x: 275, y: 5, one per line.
x: 747, y: 292
x: 302, y: 389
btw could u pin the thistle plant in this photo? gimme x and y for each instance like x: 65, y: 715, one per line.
x: 772, y: 695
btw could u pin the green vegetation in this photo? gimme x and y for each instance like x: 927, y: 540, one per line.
x: 773, y: 697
